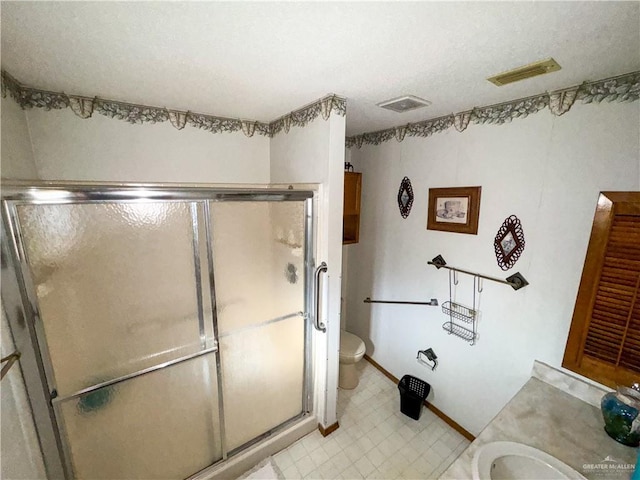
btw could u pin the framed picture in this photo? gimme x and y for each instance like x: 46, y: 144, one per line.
x: 454, y: 209
x: 509, y: 242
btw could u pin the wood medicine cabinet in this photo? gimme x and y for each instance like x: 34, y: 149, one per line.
x: 351, y: 209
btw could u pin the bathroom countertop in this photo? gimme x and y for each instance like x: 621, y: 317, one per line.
x: 547, y: 418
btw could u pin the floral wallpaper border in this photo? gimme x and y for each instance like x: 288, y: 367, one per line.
x: 623, y: 88
x: 84, y: 107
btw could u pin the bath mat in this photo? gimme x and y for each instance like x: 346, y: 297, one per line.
x: 265, y: 470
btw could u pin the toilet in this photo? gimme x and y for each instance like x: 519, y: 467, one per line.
x: 352, y: 350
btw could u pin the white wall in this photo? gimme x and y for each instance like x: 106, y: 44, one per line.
x: 67, y: 147
x: 17, y: 155
x: 315, y: 154
x: 21, y: 457
x: 548, y: 171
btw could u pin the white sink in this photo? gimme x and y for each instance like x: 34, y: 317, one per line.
x: 516, y: 461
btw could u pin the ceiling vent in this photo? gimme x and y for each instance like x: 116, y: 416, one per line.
x: 404, y: 104
x: 528, y: 71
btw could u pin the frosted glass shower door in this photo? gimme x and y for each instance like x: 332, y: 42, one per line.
x: 130, y: 360
x: 259, y: 270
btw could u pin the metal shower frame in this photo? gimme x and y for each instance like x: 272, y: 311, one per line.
x: 56, y: 193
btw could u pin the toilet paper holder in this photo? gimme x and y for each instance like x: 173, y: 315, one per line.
x: 431, y: 357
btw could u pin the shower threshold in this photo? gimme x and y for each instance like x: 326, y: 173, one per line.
x: 253, y: 453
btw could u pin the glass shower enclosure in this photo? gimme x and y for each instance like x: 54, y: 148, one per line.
x: 172, y: 324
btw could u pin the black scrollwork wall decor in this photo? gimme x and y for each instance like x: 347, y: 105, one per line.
x: 405, y: 197
x: 509, y: 242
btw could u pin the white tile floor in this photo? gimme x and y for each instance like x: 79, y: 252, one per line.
x: 375, y: 440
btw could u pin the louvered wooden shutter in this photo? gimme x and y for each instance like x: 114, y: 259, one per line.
x: 604, y: 340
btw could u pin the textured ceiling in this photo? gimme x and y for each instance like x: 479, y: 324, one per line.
x: 261, y: 60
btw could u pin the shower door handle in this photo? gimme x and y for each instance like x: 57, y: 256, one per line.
x: 316, y: 307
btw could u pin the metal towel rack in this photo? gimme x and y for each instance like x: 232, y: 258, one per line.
x: 462, y: 319
x: 10, y: 359
x: 516, y: 281
x: 432, y: 303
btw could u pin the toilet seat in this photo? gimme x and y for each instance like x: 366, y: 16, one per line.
x: 350, y: 346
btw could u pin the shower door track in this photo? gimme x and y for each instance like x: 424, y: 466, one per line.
x: 42, y: 193
x: 15, y: 194
x: 265, y: 435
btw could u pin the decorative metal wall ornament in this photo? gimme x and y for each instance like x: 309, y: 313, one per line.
x: 405, y: 197
x: 623, y: 88
x: 509, y: 242
x: 28, y: 97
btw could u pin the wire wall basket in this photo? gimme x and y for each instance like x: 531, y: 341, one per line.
x: 459, y: 312
x: 459, y: 331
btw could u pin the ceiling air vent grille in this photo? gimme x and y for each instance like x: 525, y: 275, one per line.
x: 528, y: 71
x: 404, y: 104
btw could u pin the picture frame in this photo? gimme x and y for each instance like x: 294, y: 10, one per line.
x: 405, y: 197
x: 455, y: 209
x: 509, y: 242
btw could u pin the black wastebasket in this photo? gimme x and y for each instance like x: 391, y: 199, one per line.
x: 413, y: 393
